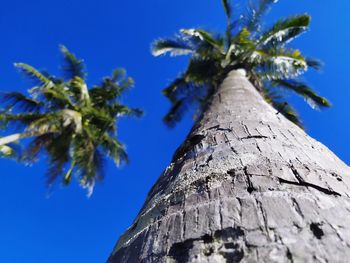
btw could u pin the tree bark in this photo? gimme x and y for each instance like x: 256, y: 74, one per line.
x: 247, y: 185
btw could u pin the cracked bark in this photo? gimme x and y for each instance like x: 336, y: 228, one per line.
x: 247, y: 185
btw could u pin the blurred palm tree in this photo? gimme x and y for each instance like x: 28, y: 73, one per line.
x: 73, y: 124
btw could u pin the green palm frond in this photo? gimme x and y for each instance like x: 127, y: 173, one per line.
x: 287, y: 111
x: 34, y: 74
x: 311, y: 97
x: 258, y: 8
x: 184, y: 96
x: 285, y: 30
x: 79, y: 90
x: 58, y: 151
x: 73, y: 67
x: 119, y: 74
x: 122, y: 110
x: 175, y: 47
x: 19, y: 120
x: 23, y: 102
x: 204, y: 37
x: 227, y: 8
x: 281, y: 63
x: 114, y: 149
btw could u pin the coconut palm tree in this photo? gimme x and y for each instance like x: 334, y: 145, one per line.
x: 270, y: 65
x: 247, y: 184
x: 73, y: 124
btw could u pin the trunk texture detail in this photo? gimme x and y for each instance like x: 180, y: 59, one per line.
x: 247, y: 185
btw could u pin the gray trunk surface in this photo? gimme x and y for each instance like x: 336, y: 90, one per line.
x: 247, y: 185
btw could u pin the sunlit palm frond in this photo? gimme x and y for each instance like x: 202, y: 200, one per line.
x: 175, y: 47
x: 34, y: 75
x: 285, y: 31
x: 204, y: 37
x: 257, y: 9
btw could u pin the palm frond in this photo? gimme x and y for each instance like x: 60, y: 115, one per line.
x: 281, y: 64
x: 258, y: 9
x: 310, y: 96
x: 19, y: 120
x: 58, y: 150
x: 228, y: 12
x: 80, y: 90
x: 122, y: 110
x: 56, y: 97
x: 227, y: 9
x: 34, y: 75
x: 38, y: 144
x: 13, y: 99
x: 119, y: 74
x: 184, y: 97
x: 114, y: 149
x: 6, y: 151
x: 88, y: 160
x: 285, y: 30
x: 287, y: 111
x: 314, y: 63
x: 202, y: 72
x: 73, y: 67
x: 204, y: 37
x: 175, y: 47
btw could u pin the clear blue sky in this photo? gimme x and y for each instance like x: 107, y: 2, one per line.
x: 65, y: 226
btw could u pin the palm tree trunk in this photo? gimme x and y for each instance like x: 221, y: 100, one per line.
x: 247, y: 185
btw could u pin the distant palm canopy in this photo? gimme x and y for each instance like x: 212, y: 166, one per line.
x: 270, y: 64
x: 73, y: 124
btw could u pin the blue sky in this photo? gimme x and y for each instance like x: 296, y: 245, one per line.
x: 63, y: 225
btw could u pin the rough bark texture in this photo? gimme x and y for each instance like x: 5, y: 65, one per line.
x: 247, y: 185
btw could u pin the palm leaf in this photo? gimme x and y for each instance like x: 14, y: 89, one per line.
x: 227, y: 9
x: 73, y: 67
x: 204, y: 37
x: 228, y: 12
x: 58, y: 150
x: 311, y: 97
x: 114, y: 149
x: 281, y: 63
x: 257, y: 10
x: 122, y: 110
x: 119, y: 74
x: 287, y: 111
x: 34, y: 74
x: 24, y: 103
x: 6, y: 151
x: 175, y: 47
x: 314, y: 63
x: 285, y: 30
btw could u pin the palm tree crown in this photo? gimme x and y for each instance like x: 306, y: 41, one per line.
x: 270, y: 65
x: 75, y: 125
